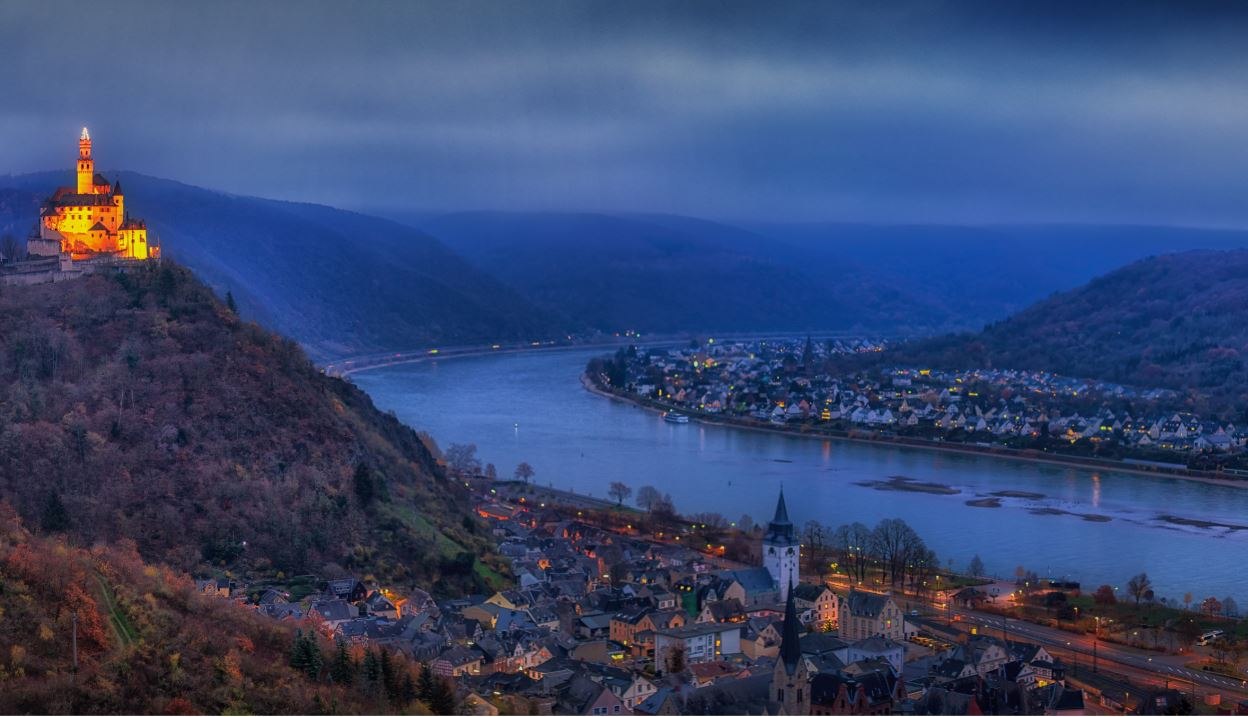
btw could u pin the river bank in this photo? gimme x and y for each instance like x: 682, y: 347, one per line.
x: 921, y: 444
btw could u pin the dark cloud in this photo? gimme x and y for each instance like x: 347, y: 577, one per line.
x: 971, y: 112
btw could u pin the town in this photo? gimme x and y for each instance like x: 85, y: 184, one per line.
x: 634, y: 611
x: 782, y: 384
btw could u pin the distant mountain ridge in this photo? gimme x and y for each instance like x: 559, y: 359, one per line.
x: 337, y: 281
x: 1177, y: 321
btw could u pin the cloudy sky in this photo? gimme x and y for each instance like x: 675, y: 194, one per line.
x: 924, y: 112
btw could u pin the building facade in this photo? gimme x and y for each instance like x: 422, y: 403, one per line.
x: 89, y: 219
x: 781, y: 550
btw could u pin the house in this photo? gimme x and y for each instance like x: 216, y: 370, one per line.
x: 699, y: 642
x: 458, y: 661
x: 862, y: 614
x: 663, y: 702
x: 333, y: 612
x: 871, y: 693
x: 816, y: 605
x: 729, y: 610
x: 879, y: 648
x: 348, y: 589
x: 381, y: 606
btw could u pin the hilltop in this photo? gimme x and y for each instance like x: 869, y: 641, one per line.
x: 336, y: 281
x: 140, y: 408
x: 1178, y: 321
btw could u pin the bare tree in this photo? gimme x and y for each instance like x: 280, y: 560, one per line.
x: 462, y: 458
x: 1139, y: 586
x: 524, y: 472
x: 10, y: 249
x: 976, y: 568
x: 619, y: 491
x: 647, y: 496
x: 815, y: 545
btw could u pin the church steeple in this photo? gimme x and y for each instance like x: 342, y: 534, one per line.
x: 780, y: 527
x: 781, y: 550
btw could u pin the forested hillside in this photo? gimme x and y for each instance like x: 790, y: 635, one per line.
x: 336, y: 281
x: 1177, y: 321
x: 140, y: 408
x: 149, y: 643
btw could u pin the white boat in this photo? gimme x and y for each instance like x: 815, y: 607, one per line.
x: 673, y: 417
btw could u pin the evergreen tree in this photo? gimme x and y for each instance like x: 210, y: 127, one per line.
x: 425, y: 686
x: 364, y: 488
x: 389, y: 676
x: 55, y: 518
x: 371, y: 668
x: 229, y: 302
x: 342, y: 669
x: 442, y: 701
x: 407, y: 692
x: 305, y: 655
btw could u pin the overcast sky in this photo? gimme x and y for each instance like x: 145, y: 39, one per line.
x: 926, y: 112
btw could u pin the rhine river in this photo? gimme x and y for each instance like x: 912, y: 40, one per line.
x: 531, y: 407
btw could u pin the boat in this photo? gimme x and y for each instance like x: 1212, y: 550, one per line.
x: 673, y: 417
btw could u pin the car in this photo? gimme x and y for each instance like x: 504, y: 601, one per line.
x: 1209, y: 637
x: 914, y: 613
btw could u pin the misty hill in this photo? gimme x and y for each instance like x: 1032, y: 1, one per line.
x: 667, y: 272
x: 664, y: 273
x: 984, y: 274
x: 1177, y: 321
x: 337, y: 281
x: 140, y: 408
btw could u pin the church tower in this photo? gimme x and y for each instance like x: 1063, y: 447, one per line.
x: 86, y: 165
x: 790, y: 680
x: 781, y: 549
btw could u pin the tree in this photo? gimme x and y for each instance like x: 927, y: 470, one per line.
x: 1229, y: 607
x: 229, y: 302
x: 815, y: 544
x: 664, y: 507
x: 365, y: 488
x: 305, y: 654
x: 342, y: 669
x: 525, y: 472
x: 976, y: 567
x: 10, y: 249
x: 619, y: 491
x: 462, y: 458
x: 55, y: 519
x: 491, y: 472
x: 1211, y: 606
x: 1139, y: 586
x: 647, y: 496
x: 1104, y: 595
x: 1187, y: 601
x: 675, y: 661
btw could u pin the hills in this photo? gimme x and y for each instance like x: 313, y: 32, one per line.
x: 336, y: 281
x: 670, y: 274
x: 1177, y: 321
x: 345, y: 283
x: 139, y: 408
x: 147, y: 642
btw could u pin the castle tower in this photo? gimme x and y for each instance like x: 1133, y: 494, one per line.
x: 86, y: 165
x: 781, y: 549
x: 790, y: 680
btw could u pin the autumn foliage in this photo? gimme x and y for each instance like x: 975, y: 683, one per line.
x: 148, y: 642
x: 139, y: 407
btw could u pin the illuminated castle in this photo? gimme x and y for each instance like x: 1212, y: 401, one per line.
x: 89, y: 220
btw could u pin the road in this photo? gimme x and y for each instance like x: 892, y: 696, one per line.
x: 1077, y: 651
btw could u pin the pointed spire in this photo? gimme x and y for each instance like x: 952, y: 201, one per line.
x: 782, y: 511
x: 790, y: 635
x: 85, y: 134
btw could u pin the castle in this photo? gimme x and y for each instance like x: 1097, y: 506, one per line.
x: 89, y: 221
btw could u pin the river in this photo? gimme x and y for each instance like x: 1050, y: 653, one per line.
x: 1094, y: 526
